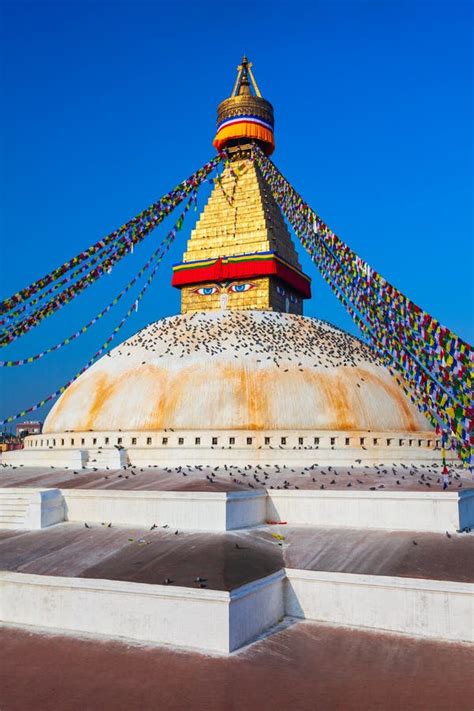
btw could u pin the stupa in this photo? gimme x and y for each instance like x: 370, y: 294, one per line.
x: 241, y: 375
x: 207, y: 520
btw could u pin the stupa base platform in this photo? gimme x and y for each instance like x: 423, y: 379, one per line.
x: 215, y: 448
x: 200, y: 511
x: 298, y: 554
x: 229, y: 498
x: 219, y: 592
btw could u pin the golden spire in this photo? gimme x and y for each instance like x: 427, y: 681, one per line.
x: 245, y: 115
x: 240, y: 254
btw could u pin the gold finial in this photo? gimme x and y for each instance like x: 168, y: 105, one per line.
x: 245, y: 116
x: 242, y: 83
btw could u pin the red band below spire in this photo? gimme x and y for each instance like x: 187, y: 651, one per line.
x: 241, y: 267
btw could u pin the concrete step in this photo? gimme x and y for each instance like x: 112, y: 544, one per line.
x: 11, y: 498
x: 14, y: 507
x: 109, y: 457
x: 30, y: 508
x: 10, y: 518
x: 14, y: 502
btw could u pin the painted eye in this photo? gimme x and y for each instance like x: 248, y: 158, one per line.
x: 206, y: 290
x: 240, y: 288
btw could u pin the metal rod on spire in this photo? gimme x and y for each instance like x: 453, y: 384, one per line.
x: 254, y: 83
x: 244, y: 70
x: 237, y: 81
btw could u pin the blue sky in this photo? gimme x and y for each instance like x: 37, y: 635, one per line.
x: 107, y: 105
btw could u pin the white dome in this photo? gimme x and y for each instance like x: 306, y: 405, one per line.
x: 241, y: 370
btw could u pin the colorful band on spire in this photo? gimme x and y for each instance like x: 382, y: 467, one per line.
x: 247, y: 118
x: 242, y: 266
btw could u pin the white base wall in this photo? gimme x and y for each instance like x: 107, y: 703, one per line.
x: 295, y: 456
x: 222, y: 622
x: 240, y: 447
x: 393, y: 510
x: 198, y: 619
x: 199, y: 511
x: 255, y: 608
x: 172, y: 457
x: 427, y: 608
x: 466, y: 509
x: 245, y: 509
x: 214, y: 511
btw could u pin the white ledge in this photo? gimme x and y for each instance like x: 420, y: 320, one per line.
x: 381, y: 581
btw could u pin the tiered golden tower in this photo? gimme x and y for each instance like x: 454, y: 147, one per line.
x: 240, y: 254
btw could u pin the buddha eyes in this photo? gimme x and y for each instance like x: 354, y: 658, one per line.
x: 233, y: 288
x: 206, y: 290
x: 239, y: 288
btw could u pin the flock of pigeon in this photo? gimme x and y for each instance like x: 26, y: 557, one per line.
x: 318, y: 477
x: 261, y: 476
x: 270, y: 336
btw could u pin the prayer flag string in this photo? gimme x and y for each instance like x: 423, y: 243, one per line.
x: 133, y: 308
x: 125, y: 237
x: 431, y: 363
x: 156, y: 256
x: 9, y: 319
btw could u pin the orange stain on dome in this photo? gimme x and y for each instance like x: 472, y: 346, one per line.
x: 397, y: 395
x: 103, y: 390
x: 224, y: 395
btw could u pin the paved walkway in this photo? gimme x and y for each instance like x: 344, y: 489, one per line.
x: 307, y: 667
